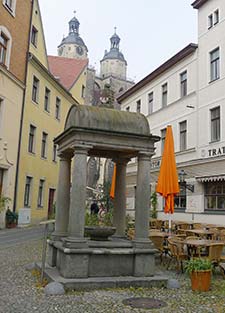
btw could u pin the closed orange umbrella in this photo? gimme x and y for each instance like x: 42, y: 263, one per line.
x: 113, y: 183
x: 168, y: 185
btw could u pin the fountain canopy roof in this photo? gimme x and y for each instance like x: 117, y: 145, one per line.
x: 110, y: 120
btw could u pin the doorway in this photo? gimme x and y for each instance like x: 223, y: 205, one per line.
x: 51, y: 207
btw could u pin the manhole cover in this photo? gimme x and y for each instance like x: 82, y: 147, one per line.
x: 144, y: 303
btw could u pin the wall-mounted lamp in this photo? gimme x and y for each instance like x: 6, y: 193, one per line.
x: 183, y: 183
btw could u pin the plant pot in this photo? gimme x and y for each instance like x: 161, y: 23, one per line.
x: 11, y: 225
x: 99, y: 233
x: 200, y: 280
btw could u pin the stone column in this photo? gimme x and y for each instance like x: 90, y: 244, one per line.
x: 119, y: 213
x: 142, y: 200
x: 77, y: 200
x: 63, y: 198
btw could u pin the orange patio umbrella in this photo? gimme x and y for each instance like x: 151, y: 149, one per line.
x: 168, y: 185
x: 113, y: 183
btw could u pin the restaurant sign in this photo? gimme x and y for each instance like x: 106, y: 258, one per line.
x: 212, y: 152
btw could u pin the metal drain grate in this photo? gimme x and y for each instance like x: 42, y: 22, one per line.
x: 144, y: 303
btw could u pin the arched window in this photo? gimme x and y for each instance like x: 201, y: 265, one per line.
x: 5, y: 46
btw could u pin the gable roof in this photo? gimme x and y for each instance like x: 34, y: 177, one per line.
x: 161, y: 69
x: 66, y: 70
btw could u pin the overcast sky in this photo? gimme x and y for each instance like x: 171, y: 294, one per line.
x: 150, y: 31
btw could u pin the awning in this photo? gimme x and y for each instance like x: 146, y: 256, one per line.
x: 213, y: 178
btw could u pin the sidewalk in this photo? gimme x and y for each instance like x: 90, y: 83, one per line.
x: 19, y: 293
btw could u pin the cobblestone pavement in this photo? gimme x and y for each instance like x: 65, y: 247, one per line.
x: 19, y: 292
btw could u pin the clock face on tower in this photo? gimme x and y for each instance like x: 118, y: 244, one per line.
x: 80, y: 50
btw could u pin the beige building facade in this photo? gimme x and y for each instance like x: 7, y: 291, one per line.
x: 15, y: 15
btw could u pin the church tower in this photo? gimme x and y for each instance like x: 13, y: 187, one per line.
x: 73, y: 45
x: 113, y: 62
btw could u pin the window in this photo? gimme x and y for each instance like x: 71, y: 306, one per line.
x: 10, y: 5
x: 150, y: 103
x: 44, y: 145
x: 1, y: 117
x: 215, y: 124
x: 34, y: 36
x: 216, y: 17
x: 183, y: 84
x: 3, y: 47
x: 215, y: 196
x: 180, y: 199
x: 163, y: 137
x: 27, y: 193
x: 127, y: 109
x: 54, y: 155
x: 210, y: 21
x: 40, y: 193
x: 83, y: 91
x: 164, y: 95
x: 215, y: 64
x: 183, y: 135
x: 57, y: 108
x: 138, y: 103
x: 35, y: 89
x: 47, y: 100
x: 31, y: 139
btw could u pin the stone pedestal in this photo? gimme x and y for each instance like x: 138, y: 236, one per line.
x: 115, y: 258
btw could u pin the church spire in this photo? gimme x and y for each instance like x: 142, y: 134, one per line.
x: 74, y: 25
x: 115, y: 40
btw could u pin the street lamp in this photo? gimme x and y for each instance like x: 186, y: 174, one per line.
x: 183, y: 183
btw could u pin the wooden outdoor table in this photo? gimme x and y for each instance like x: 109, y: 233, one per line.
x: 180, y: 223
x: 194, y: 245
x: 207, y: 226
x: 202, y: 242
x: 200, y: 231
x: 158, y: 233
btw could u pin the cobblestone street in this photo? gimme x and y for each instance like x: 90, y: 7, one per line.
x: 20, y: 294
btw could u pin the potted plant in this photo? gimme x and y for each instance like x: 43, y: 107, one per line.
x: 11, y: 219
x: 99, y: 227
x: 4, y: 203
x: 200, y: 271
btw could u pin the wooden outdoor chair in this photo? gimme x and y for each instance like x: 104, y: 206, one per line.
x: 130, y: 233
x: 184, y: 226
x: 160, y: 245
x: 176, y: 248
x: 215, y: 256
x: 195, y: 251
x: 198, y: 226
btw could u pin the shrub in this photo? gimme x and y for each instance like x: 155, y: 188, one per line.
x: 198, y: 264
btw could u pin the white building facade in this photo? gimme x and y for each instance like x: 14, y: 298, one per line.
x: 188, y: 92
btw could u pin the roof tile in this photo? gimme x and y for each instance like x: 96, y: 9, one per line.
x: 67, y: 70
